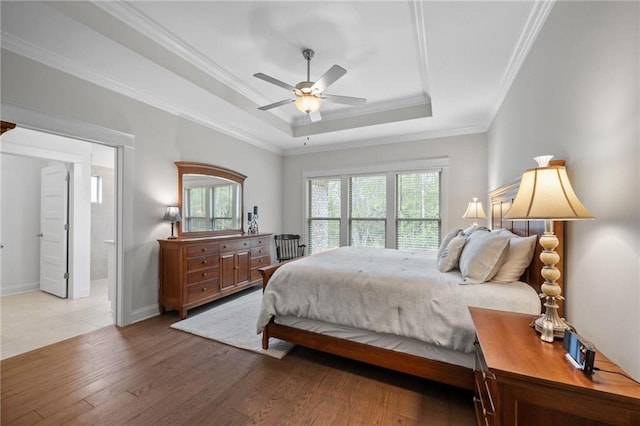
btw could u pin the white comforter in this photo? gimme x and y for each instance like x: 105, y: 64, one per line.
x: 388, y: 291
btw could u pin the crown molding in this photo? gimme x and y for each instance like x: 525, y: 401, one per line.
x: 309, y: 148
x: 537, y: 17
x: 136, y: 19
x: 71, y: 67
x: 421, y: 38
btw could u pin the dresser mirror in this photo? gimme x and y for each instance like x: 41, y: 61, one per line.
x: 210, y: 199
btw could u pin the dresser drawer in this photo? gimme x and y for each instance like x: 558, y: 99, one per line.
x: 202, y: 290
x: 235, y: 245
x: 201, y: 275
x: 260, y: 242
x: 202, y: 249
x: 203, y: 262
x: 259, y: 262
x: 260, y: 251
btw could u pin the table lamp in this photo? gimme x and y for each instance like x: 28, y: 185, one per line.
x: 545, y: 193
x: 474, y: 211
x: 172, y: 215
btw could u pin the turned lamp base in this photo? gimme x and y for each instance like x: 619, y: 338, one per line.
x: 549, y: 324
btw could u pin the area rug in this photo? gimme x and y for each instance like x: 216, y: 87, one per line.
x: 232, y: 321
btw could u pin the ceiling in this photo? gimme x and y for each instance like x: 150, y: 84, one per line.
x: 427, y: 68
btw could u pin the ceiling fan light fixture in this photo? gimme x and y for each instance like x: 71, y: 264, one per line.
x: 308, y: 103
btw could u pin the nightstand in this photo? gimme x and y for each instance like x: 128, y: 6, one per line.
x: 521, y: 380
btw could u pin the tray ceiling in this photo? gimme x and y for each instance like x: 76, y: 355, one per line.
x: 427, y: 69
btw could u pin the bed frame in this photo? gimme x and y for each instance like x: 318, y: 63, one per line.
x: 454, y: 375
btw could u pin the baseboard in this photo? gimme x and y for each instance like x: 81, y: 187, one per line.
x: 17, y: 289
x: 141, y: 314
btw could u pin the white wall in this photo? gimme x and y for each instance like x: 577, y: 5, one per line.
x: 577, y: 97
x: 467, y: 169
x: 160, y: 140
x: 20, y: 223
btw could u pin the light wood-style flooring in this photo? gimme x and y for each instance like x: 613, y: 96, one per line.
x: 34, y: 319
x: 150, y: 374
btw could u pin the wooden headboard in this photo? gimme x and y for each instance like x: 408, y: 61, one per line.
x: 501, y: 199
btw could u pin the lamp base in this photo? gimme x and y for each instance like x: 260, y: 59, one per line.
x: 549, y: 324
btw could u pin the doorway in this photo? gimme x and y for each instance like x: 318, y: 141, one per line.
x: 31, y: 318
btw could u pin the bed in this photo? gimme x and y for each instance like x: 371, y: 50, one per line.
x: 311, y: 302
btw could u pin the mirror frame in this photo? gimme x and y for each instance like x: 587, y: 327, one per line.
x: 190, y: 167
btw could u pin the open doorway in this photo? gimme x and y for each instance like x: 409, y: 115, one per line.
x: 30, y: 317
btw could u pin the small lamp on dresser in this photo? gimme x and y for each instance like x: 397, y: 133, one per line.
x: 545, y: 193
x: 172, y: 214
x: 474, y: 211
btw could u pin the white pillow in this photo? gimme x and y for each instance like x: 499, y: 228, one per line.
x: 470, y: 230
x: 450, y: 255
x: 518, y: 258
x: 447, y: 238
x: 482, y: 256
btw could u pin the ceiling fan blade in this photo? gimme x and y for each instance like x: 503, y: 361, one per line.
x: 275, y: 81
x: 348, y: 100
x: 328, y: 78
x: 276, y: 104
x: 315, y: 116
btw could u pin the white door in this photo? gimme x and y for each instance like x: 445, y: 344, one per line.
x: 54, y: 194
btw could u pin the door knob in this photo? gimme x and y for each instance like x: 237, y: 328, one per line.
x: 39, y: 235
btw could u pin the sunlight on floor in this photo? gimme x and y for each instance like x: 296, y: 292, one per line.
x: 35, y: 319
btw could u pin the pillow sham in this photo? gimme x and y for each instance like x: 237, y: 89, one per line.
x: 470, y: 230
x: 518, y: 257
x: 447, y: 238
x: 482, y: 256
x: 451, y: 254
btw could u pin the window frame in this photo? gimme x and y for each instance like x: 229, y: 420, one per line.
x: 391, y: 169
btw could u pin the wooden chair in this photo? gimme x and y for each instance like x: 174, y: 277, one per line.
x: 288, y: 247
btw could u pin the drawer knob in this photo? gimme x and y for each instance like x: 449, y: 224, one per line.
x: 204, y: 261
x: 204, y: 274
x: 204, y: 249
x: 204, y: 289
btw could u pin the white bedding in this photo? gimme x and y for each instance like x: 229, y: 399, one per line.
x: 388, y: 291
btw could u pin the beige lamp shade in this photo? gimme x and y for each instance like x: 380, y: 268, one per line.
x: 474, y: 210
x: 546, y: 193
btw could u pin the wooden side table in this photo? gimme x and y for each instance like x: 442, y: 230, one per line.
x: 521, y: 380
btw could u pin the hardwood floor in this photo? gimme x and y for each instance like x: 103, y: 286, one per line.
x: 148, y: 373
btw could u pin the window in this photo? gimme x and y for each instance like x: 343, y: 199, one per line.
x: 367, y: 210
x: 418, y: 210
x: 400, y: 207
x: 324, y: 213
x: 96, y: 189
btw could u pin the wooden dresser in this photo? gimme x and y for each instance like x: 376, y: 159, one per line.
x: 196, y: 271
x: 521, y: 380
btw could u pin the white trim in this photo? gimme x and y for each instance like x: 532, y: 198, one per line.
x: 63, y: 126
x: 397, y: 166
x: 142, y: 23
x: 535, y: 21
x: 68, y: 66
x: 385, y: 140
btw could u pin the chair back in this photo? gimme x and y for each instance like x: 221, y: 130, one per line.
x: 288, y: 247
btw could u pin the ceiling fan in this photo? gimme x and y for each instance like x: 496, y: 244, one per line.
x: 309, y: 94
